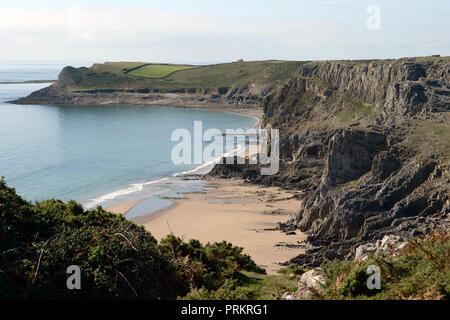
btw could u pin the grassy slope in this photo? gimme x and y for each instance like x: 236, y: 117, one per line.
x: 421, y: 272
x: 260, y: 73
x: 140, y: 75
x: 427, y: 137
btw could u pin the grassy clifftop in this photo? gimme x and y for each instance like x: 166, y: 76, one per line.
x: 139, y: 75
x: 227, y: 84
x: 169, y: 77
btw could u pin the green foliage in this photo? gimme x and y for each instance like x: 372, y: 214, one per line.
x: 210, y: 265
x: 250, y: 285
x: 358, y: 109
x: 421, y: 271
x: 269, y: 287
x: 116, y: 261
x: 437, y: 136
x: 431, y: 58
x: 230, y: 290
x: 117, y: 258
x: 293, y: 269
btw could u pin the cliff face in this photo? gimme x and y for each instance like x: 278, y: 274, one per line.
x: 397, y: 88
x: 369, y: 143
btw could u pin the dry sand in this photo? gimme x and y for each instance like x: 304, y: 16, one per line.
x: 237, y: 213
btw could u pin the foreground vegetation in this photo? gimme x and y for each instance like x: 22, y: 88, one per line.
x: 120, y: 260
x: 420, y: 271
x: 117, y: 258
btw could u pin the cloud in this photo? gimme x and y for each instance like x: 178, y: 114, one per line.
x: 148, y: 34
x: 96, y: 31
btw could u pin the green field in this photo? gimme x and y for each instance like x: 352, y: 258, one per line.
x: 157, y: 70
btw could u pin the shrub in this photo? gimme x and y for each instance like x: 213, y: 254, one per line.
x: 421, y: 271
x: 209, y: 265
x: 117, y: 258
x: 230, y: 290
x: 293, y: 269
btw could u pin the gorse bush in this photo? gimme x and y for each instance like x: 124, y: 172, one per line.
x: 207, y: 266
x: 117, y: 258
x: 420, y: 271
x: 230, y: 290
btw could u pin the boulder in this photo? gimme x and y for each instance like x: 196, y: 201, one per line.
x: 310, y: 282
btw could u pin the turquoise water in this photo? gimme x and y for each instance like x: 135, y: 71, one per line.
x: 97, y: 154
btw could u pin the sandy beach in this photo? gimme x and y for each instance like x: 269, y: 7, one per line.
x: 243, y: 214
x: 230, y: 210
x: 122, y: 208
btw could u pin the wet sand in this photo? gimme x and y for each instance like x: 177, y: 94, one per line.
x: 239, y: 213
x: 122, y: 208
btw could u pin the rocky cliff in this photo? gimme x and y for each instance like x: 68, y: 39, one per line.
x: 369, y: 144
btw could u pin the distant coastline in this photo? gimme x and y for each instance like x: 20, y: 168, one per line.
x: 28, y: 81
x: 240, y: 84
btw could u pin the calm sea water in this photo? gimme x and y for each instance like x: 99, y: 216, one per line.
x: 16, y: 72
x: 95, y: 154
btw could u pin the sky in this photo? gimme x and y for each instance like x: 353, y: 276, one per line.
x: 212, y: 31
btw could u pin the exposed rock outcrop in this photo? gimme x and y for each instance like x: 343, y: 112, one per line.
x: 310, y: 282
x: 391, y: 245
x: 369, y: 144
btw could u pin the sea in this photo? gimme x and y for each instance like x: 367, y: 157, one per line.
x: 97, y: 154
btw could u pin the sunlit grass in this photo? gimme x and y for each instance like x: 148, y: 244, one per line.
x: 157, y: 70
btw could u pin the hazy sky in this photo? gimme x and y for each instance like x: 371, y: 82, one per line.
x: 205, y: 31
